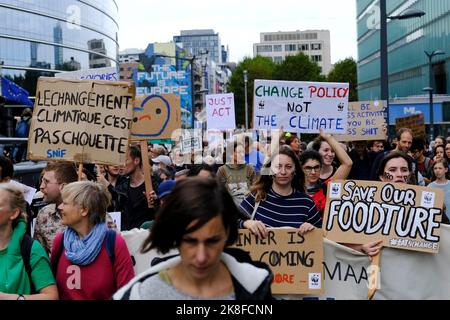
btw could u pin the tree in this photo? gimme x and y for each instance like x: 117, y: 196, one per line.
x: 298, y: 68
x: 257, y: 68
x: 345, y: 71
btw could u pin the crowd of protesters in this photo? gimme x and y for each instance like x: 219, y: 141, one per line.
x: 74, y: 251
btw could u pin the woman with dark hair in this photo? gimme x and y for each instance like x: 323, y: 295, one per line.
x: 294, y: 142
x: 329, y: 148
x: 277, y: 198
x: 396, y: 167
x: 201, y: 170
x: 312, y: 164
x: 439, y: 152
x: 200, y: 220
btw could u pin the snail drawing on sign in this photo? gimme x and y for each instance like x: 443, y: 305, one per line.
x: 151, y: 117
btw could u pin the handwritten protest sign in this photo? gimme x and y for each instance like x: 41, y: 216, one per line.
x: 220, y: 111
x: 415, y: 122
x: 304, y: 107
x: 168, y: 79
x: 107, y: 73
x: 81, y: 120
x: 156, y: 117
x: 365, y: 122
x: 403, y: 216
x: 295, y: 260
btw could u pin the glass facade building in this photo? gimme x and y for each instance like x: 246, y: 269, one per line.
x: 195, y: 42
x: 42, y: 37
x: 408, y: 65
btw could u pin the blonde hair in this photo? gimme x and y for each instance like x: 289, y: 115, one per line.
x: 88, y: 195
x: 16, y: 201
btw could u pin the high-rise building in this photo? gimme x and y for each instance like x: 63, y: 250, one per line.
x: 130, y: 55
x: 313, y: 43
x: 197, y: 42
x: 408, y: 65
x: 45, y: 37
x: 97, y: 59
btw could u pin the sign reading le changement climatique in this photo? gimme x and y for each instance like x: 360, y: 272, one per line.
x: 81, y: 120
x: 402, y: 216
x: 304, y: 107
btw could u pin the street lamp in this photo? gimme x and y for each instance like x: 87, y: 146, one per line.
x: 430, y: 87
x: 245, y: 95
x: 407, y: 14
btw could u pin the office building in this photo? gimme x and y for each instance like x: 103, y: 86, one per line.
x: 279, y: 45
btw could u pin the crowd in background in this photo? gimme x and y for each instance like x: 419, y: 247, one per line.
x: 63, y: 244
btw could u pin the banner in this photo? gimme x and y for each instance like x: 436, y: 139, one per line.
x: 295, y: 260
x: 220, y: 111
x: 304, y: 107
x: 405, y: 275
x: 403, y: 216
x: 81, y: 120
x: 415, y: 122
x: 166, y: 79
x: 107, y: 73
x: 365, y: 122
x: 155, y: 117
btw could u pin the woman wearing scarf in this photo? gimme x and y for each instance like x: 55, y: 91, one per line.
x: 86, y: 266
x: 16, y: 283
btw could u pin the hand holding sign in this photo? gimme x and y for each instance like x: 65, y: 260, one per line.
x: 305, y: 228
x: 257, y: 228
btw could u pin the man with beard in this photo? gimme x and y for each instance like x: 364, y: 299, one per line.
x: 132, y: 201
x: 48, y: 221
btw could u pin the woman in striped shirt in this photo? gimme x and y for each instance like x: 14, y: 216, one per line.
x: 277, y: 198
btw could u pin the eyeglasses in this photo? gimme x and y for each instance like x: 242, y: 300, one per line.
x: 308, y: 169
x: 45, y: 182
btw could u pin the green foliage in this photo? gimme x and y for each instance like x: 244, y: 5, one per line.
x: 293, y: 68
x: 298, y: 68
x: 257, y: 68
x: 345, y: 71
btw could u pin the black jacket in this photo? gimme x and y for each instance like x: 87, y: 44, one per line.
x: 135, y: 214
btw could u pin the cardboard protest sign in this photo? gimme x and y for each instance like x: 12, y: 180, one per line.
x: 365, y: 122
x: 415, y: 122
x: 81, y: 120
x: 403, y: 216
x: 220, y: 111
x: 156, y: 117
x: 304, y: 107
x: 295, y: 260
x: 107, y: 73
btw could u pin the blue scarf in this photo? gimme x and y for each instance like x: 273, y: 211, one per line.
x: 84, y: 251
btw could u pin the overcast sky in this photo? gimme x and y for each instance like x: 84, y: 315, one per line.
x: 238, y: 22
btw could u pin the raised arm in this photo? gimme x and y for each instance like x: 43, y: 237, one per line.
x: 346, y: 163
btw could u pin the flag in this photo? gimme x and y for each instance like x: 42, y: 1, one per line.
x: 13, y: 92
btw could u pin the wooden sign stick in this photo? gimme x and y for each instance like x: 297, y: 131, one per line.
x: 374, y: 276
x: 80, y: 171
x: 146, y: 167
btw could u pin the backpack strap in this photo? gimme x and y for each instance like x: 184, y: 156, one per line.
x: 56, y: 255
x: 110, y: 249
x: 25, y: 251
x: 111, y: 244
